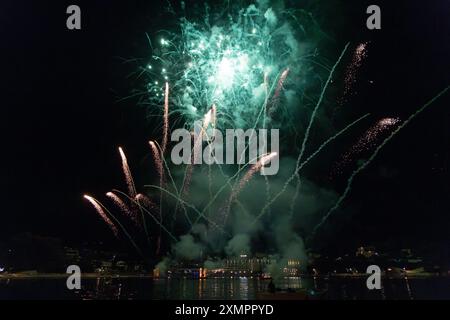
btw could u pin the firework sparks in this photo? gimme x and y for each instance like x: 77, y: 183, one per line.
x: 160, y: 168
x: 197, y: 149
x: 209, y: 118
x: 158, y: 162
x: 166, y: 119
x: 213, y: 115
x: 276, y: 96
x: 122, y: 206
x: 142, y: 199
x: 367, y: 141
x: 102, y: 214
x: 308, y: 130
x: 250, y: 173
x: 145, y: 201
x: 227, y: 60
x: 351, y: 73
x: 371, y: 158
x: 224, y: 64
x: 224, y: 211
x: 127, y: 173
x: 302, y: 165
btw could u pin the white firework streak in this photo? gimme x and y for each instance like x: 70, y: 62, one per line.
x: 102, y: 214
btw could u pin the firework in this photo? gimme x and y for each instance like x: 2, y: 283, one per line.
x: 352, y: 70
x: 160, y: 168
x: 102, y: 214
x: 213, y: 115
x: 188, y: 173
x: 166, y: 119
x: 250, y: 173
x: 223, y: 212
x: 122, y: 206
x: 371, y: 158
x: 276, y: 95
x: 308, y: 130
x: 209, y: 118
x: 367, y: 141
x: 302, y: 165
x: 144, y: 200
x: 128, y: 177
x: 158, y: 161
x: 224, y: 64
x: 197, y: 149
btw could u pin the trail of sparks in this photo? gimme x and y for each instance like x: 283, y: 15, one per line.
x: 352, y: 70
x: 147, y: 211
x: 102, y: 214
x: 187, y: 204
x: 174, y: 186
x: 145, y: 201
x: 250, y: 173
x: 166, y: 120
x: 128, y: 177
x: 123, y: 207
x: 372, y: 157
x: 288, y: 181
x: 225, y: 210
x: 190, y: 167
x: 131, y: 188
x: 142, y: 199
x: 158, y: 161
x: 208, y: 118
x: 98, y: 205
x: 308, y: 129
x: 276, y: 96
x: 367, y: 141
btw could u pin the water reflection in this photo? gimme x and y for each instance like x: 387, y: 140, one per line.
x: 408, y: 289
x: 243, y: 285
x: 235, y: 288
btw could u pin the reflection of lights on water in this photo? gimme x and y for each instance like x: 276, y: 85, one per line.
x: 408, y: 288
x: 243, y: 285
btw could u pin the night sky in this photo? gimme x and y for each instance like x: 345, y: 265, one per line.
x: 62, y: 119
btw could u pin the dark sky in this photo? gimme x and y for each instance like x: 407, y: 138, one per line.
x: 62, y: 123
